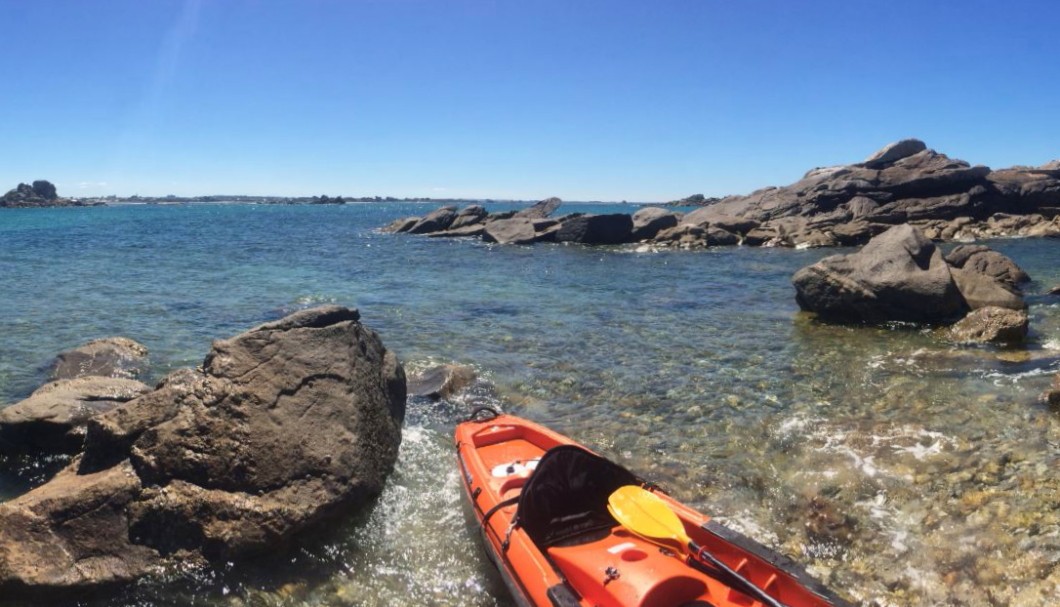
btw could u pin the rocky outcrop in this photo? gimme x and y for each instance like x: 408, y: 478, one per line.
x: 991, y: 325
x: 108, y: 357
x: 441, y: 381
x: 53, y: 419
x: 902, y: 183
x: 283, y: 427
x: 40, y: 194
x: 900, y: 275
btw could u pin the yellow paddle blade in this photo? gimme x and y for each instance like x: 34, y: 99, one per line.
x: 645, y: 514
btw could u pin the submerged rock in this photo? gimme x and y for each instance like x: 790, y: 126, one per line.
x: 1052, y: 396
x: 991, y: 325
x: 442, y: 381
x: 285, y: 426
x: 108, y: 357
x: 899, y: 275
x: 53, y: 419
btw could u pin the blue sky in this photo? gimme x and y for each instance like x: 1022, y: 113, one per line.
x: 643, y: 101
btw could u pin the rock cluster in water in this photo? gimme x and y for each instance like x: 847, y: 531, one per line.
x: 901, y: 275
x: 903, y: 183
x: 281, y: 428
x: 40, y: 193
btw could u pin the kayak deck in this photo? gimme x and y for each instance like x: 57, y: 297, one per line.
x: 596, y: 562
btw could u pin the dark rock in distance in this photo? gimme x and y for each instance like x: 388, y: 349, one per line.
x: 441, y: 381
x: 595, y: 229
x: 898, y: 276
x: 107, y: 357
x: 284, y: 427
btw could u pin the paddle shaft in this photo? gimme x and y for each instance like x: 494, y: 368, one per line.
x: 697, y: 552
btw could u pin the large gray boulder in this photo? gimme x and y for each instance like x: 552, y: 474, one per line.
x: 470, y: 215
x: 541, y: 209
x: 435, y: 221
x: 649, y: 221
x: 983, y: 260
x: 612, y: 228
x: 898, y: 276
x: 53, y: 419
x: 107, y: 357
x: 284, y: 427
x: 894, y: 151
x: 516, y: 230
x: 981, y: 290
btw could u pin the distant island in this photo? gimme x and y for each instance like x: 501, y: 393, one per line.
x: 40, y: 193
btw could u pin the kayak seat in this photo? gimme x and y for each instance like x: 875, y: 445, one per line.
x: 565, y: 500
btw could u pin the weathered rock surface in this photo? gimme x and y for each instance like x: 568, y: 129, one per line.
x: 649, y: 221
x: 899, y: 275
x: 71, y: 534
x: 284, y: 426
x: 470, y: 215
x: 981, y: 290
x: 404, y: 224
x: 108, y: 357
x: 903, y: 182
x: 991, y: 325
x: 517, y: 230
x: 53, y: 419
x: 441, y: 381
x: 614, y: 228
x: 435, y: 221
x: 984, y: 260
x: 541, y: 209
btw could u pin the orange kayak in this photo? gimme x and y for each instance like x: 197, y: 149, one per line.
x: 540, y: 502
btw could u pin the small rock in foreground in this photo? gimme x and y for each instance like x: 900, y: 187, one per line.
x: 991, y: 325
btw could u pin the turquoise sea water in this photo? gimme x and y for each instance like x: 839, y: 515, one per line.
x: 902, y: 470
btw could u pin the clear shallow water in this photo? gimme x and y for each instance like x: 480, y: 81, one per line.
x: 902, y: 470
